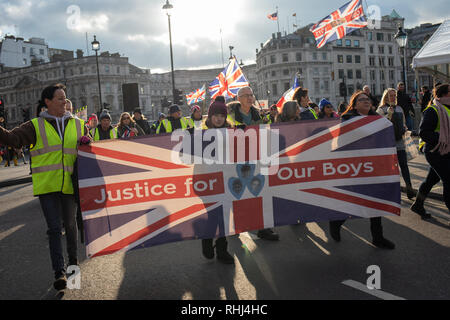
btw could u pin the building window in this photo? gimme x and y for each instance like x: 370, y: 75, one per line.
x: 381, y: 74
x: 25, y: 61
x: 274, y: 73
x: 285, y: 72
x: 372, y: 75
x: 324, y: 56
x: 371, y: 49
x: 357, y: 59
x: 339, y: 42
x: 81, y: 70
x: 24, y: 50
x: 316, y: 86
x: 370, y: 35
x: 340, y: 58
x: 316, y: 71
x: 372, y: 61
x: 298, y: 56
x: 106, y: 69
x: 287, y: 86
x: 326, y: 86
x: 274, y: 89
x: 41, y: 52
x: 391, y: 75
x: 390, y: 49
x: 349, y: 59
x: 285, y: 57
x: 356, y: 43
x: 118, y: 70
x: 381, y: 49
x: 314, y: 56
x: 350, y: 74
x: 348, y: 43
x: 272, y: 59
x: 341, y: 74
x: 358, y: 74
x: 391, y: 62
x: 380, y: 36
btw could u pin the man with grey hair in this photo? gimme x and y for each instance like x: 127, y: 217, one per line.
x: 373, y: 100
x: 244, y: 113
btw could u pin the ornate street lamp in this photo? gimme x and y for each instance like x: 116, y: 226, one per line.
x: 96, y: 48
x: 402, y: 40
x: 167, y: 7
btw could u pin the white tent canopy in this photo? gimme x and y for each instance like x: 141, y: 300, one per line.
x: 435, y: 54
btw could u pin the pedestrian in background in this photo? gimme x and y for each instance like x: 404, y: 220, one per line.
x: 302, y: 98
x: 127, y: 128
x: 141, y: 121
x: 173, y: 122
x: 388, y: 108
x: 196, y: 119
x: 104, y: 130
x: 290, y: 112
x: 327, y: 110
x: 404, y: 101
x: 435, y: 131
x: 360, y: 105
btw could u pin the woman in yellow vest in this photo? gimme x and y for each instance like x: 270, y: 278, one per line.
x: 104, y: 131
x: 55, y: 135
x: 435, y: 131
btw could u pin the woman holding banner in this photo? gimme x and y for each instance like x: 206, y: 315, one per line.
x: 217, y: 118
x: 360, y: 105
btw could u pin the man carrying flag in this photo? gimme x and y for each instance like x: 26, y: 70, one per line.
x: 339, y: 23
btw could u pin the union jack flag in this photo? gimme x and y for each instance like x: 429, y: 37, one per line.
x: 228, y: 82
x: 341, y: 22
x: 133, y: 195
x: 273, y: 16
x: 196, y: 96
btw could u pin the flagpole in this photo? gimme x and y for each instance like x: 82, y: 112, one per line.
x: 221, y: 44
x: 278, y: 20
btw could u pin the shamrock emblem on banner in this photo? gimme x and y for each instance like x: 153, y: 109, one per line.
x: 246, y: 179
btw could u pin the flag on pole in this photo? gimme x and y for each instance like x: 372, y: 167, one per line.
x: 338, y: 24
x: 229, y: 81
x: 288, y: 94
x: 273, y: 16
x: 196, y: 96
x: 294, y: 14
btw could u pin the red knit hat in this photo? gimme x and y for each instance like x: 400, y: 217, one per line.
x: 195, y: 108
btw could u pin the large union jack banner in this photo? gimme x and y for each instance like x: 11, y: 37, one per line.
x: 196, y: 96
x: 341, y: 22
x: 134, y: 195
x: 229, y: 81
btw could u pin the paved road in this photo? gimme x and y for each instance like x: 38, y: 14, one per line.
x: 305, y: 264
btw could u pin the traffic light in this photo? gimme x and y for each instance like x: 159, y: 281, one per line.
x: 342, y: 89
x: 178, y: 97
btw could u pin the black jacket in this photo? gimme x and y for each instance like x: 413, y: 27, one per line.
x: 427, y: 129
x: 143, y: 124
x: 404, y: 101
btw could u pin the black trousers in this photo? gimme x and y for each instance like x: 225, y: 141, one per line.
x: 441, y: 164
x: 430, y: 181
x: 375, y: 227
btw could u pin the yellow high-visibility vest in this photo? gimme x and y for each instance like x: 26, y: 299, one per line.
x: 168, y: 125
x: 52, y: 160
x: 112, y: 134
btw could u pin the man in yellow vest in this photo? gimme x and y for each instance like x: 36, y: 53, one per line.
x: 55, y: 135
x: 173, y: 122
x: 104, y: 131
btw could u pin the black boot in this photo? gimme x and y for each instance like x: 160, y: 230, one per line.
x: 60, y: 282
x: 410, y: 192
x: 378, y: 240
x: 418, y: 207
x: 268, y: 234
x: 335, y: 229
x: 207, y: 248
x: 222, y: 253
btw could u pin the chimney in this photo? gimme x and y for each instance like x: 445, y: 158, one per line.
x: 273, y: 36
x: 79, y: 53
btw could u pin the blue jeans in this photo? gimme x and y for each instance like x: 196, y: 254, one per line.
x: 409, y: 122
x: 57, y: 207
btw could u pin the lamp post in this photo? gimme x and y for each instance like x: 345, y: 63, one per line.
x: 402, y: 39
x: 96, y: 47
x: 168, y: 7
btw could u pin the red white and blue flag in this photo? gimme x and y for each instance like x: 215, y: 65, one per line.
x: 133, y: 195
x: 228, y: 82
x: 196, y: 96
x: 287, y: 96
x: 273, y: 16
x: 341, y: 22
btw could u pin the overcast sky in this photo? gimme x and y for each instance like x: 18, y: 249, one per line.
x: 138, y: 29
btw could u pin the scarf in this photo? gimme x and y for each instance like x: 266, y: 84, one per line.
x: 443, y: 145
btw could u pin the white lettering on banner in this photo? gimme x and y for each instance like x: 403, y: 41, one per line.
x: 329, y: 169
x: 74, y: 280
x: 250, y: 146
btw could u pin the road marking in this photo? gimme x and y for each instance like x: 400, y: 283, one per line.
x: 374, y: 292
x: 319, y: 246
x: 10, y: 231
